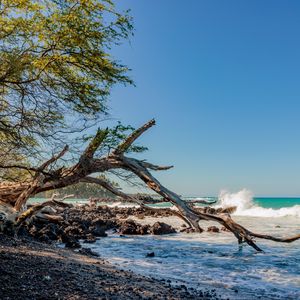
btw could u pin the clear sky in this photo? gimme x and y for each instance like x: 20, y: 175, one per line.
x: 222, y: 80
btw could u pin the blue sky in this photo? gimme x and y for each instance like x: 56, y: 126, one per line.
x: 221, y: 78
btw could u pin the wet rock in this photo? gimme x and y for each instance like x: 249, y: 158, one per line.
x: 99, y: 230
x: 44, y: 238
x: 223, y: 228
x: 213, y: 229
x: 88, y: 251
x: 70, y: 242
x: 144, y: 229
x: 128, y: 227
x: 188, y: 230
x: 150, y: 254
x: 160, y: 228
x: 90, y: 239
x: 50, y: 231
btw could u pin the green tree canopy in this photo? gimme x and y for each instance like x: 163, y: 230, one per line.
x: 56, y: 69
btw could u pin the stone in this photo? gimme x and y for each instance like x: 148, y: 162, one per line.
x: 88, y: 251
x: 150, y: 254
x: 90, y: 239
x: 213, y: 229
x: 160, y: 228
x: 128, y: 227
x: 223, y: 228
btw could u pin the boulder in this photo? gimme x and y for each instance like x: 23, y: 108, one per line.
x: 160, y: 228
x: 213, y: 229
x: 90, y: 239
x: 150, y: 254
x: 128, y: 227
x: 70, y: 242
x: 98, y: 230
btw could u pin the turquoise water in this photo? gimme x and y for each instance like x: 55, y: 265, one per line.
x: 276, y: 202
x: 266, y: 202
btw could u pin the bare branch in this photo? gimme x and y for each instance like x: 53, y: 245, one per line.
x: 105, y: 184
x: 53, y: 159
x: 155, y: 167
x: 123, y: 147
x: 94, y: 144
x: 36, y: 208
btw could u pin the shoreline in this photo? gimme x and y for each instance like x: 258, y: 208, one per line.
x: 124, y: 237
x: 34, y: 270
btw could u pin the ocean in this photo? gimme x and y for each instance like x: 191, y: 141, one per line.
x: 213, y: 260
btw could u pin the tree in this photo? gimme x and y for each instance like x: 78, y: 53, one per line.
x: 56, y: 68
x: 14, y: 196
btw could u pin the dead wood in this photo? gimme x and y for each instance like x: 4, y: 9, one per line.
x: 16, y: 195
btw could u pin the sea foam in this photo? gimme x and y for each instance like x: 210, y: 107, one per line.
x: 243, y: 200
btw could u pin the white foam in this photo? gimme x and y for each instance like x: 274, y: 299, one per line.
x: 243, y: 200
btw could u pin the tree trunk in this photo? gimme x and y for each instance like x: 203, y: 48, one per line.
x: 15, y: 195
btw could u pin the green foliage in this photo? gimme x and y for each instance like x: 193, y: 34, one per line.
x: 56, y: 65
x: 115, y: 136
x: 10, y: 157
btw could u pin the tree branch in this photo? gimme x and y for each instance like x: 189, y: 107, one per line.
x: 53, y: 159
x: 94, y: 144
x: 123, y: 147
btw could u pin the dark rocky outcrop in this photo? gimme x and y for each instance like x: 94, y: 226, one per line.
x: 150, y: 254
x: 88, y: 223
x: 159, y: 228
x: 213, y: 229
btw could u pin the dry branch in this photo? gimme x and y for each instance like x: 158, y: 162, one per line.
x: 16, y: 194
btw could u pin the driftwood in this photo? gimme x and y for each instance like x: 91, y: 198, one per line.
x: 15, y: 195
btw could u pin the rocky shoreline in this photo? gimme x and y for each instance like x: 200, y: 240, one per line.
x: 90, y: 222
x: 33, y: 267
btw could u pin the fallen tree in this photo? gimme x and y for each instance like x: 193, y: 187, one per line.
x: 15, y: 195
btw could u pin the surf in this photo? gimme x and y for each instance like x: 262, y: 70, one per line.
x: 245, y: 205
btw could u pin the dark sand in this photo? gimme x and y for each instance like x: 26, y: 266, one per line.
x: 33, y: 270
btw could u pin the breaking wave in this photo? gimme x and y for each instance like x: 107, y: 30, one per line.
x: 243, y: 200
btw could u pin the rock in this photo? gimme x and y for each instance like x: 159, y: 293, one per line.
x: 50, y: 230
x: 213, y: 229
x: 160, y: 228
x: 188, y: 230
x: 90, y: 239
x: 99, y: 230
x: 209, y: 210
x: 150, y: 254
x: 128, y: 227
x: 88, y: 251
x: 44, y: 238
x: 223, y: 228
x: 144, y: 229
x: 70, y: 242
